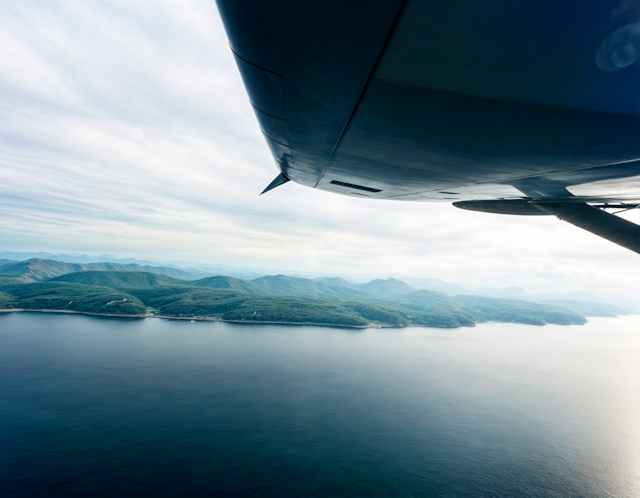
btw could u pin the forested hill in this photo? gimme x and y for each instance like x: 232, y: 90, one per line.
x: 386, y: 287
x: 7, y: 302
x: 34, y: 284
x: 119, y: 280
x: 5, y: 262
x: 230, y: 283
x: 297, y: 285
x: 37, y: 270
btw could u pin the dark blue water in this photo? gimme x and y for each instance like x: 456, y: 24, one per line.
x: 112, y: 407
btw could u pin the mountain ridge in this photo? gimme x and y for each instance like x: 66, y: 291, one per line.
x: 35, y: 270
x: 201, y: 270
x: 386, y: 295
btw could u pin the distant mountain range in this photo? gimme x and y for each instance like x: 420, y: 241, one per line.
x: 629, y: 303
x: 197, y: 269
x: 331, y: 285
x: 115, y: 288
x: 35, y: 270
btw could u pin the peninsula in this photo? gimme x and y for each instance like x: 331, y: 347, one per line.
x: 123, y: 290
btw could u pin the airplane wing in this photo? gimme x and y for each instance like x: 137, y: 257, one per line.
x: 520, y: 107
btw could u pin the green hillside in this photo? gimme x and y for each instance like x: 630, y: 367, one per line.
x: 297, y: 285
x: 587, y: 308
x: 511, y: 310
x: 74, y: 297
x: 418, y: 308
x: 231, y: 283
x: 435, y: 309
x: 123, y: 280
x: 120, y: 280
x: 8, y: 281
x: 240, y: 305
x: 124, y: 289
x: 386, y: 287
x: 36, y: 270
x: 7, y: 302
x: 5, y: 262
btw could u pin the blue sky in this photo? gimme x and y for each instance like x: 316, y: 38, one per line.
x: 125, y: 128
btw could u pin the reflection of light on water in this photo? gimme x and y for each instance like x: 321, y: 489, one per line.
x: 620, y: 49
x: 613, y: 378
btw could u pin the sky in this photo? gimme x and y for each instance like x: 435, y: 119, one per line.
x: 125, y: 128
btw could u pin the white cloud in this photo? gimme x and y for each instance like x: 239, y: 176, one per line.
x: 124, y: 127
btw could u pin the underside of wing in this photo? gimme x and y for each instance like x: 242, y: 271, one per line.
x: 533, y: 101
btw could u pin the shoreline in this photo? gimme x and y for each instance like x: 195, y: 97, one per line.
x: 192, y: 318
x: 253, y: 322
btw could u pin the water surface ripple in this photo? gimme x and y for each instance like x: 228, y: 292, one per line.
x: 147, y: 407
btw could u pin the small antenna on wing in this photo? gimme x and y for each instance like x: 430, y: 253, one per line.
x: 280, y: 180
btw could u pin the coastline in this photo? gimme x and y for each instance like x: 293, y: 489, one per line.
x: 192, y: 318
x: 243, y: 322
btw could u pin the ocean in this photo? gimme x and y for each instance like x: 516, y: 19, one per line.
x: 105, y: 407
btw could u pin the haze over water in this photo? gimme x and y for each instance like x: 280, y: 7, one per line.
x: 148, y: 407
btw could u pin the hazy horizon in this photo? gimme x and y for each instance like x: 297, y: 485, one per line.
x: 363, y: 277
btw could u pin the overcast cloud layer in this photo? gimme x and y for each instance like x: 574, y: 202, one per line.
x: 125, y: 128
